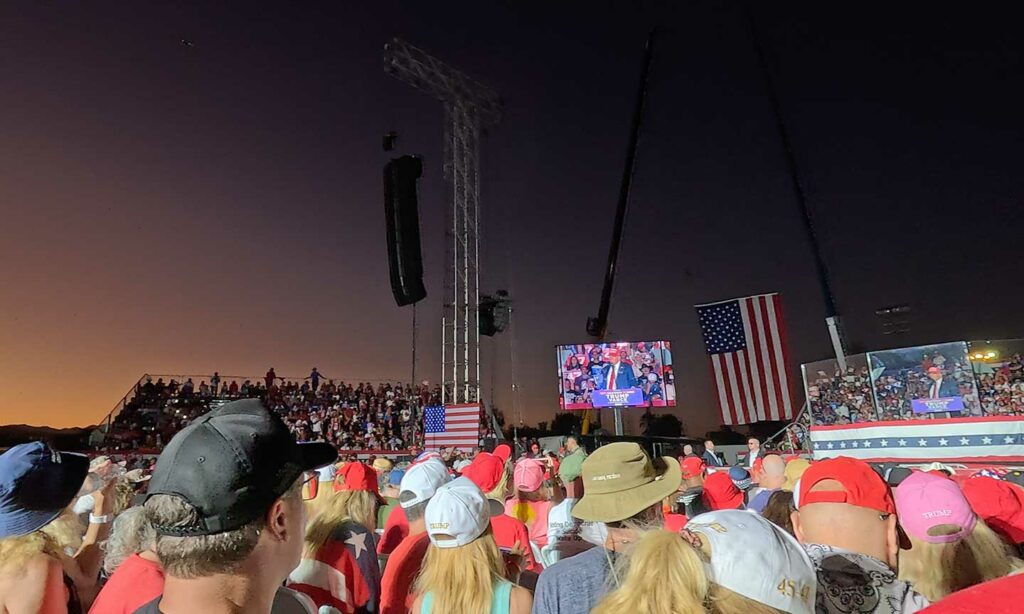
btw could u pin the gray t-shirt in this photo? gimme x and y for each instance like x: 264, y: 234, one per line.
x: 573, y: 585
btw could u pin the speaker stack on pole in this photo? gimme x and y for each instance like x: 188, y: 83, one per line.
x: 405, y: 260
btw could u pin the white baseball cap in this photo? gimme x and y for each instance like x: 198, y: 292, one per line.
x: 753, y: 557
x: 459, y: 511
x: 422, y: 479
x: 327, y: 473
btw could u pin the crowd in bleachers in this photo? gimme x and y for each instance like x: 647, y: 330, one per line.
x: 360, y: 416
x: 838, y: 398
x: 1001, y: 392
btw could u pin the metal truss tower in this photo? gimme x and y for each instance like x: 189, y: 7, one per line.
x: 469, y: 108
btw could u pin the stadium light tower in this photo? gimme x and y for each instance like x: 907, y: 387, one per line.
x: 469, y: 108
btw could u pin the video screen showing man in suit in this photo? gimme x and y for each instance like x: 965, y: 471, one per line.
x: 634, y: 374
x: 916, y: 382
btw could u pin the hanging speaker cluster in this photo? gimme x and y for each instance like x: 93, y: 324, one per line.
x: 405, y: 260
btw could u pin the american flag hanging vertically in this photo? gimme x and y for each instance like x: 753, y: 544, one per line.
x: 745, y: 340
x: 454, y: 426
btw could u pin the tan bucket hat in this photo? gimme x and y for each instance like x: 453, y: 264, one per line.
x: 620, y: 481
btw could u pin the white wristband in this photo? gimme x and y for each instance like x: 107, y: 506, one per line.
x: 93, y: 519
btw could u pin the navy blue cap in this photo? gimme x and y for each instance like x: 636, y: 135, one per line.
x: 36, y: 484
x: 231, y: 465
x: 740, y: 477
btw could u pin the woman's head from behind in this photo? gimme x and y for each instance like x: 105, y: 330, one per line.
x: 725, y: 562
x: 779, y: 510
x: 951, y: 548
x: 130, y: 534
x: 37, y: 484
x: 463, y: 563
x: 354, y: 498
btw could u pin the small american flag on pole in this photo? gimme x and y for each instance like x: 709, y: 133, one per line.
x: 451, y: 426
x: 745, y: 339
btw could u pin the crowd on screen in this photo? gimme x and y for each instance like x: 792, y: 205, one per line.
x: 841, y: 398
x: 844, y: 398
x: 237, y: 515
x: 585, y: 369
x: 360, y: 416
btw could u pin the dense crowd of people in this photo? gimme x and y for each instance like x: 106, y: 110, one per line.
x: 360, y: 416
x: 854, y: 396
x: 841, y: 398
x: 239, y: 515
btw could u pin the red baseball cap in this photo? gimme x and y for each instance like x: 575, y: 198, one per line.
x: 357, y: 476
x: 1000, y: 595
x: 1000, y: 504
x: 861, y: 485
x: 692, y: 466
x: 503, y: 451
x: 720, y: 493
x: 486, y: 471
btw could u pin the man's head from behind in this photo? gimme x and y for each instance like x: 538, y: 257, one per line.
x: 694, y: 471
x: 419, y: 484
x: 225, y: 497
x: 842, y: 502
x: 773, y: 472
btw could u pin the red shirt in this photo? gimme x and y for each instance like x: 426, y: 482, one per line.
x: 134, y: 584
x: 396, y: 528
x: 403, y: 566
x: 507, y: 532
x: 675, y: 522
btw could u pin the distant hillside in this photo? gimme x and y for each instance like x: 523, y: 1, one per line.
x: 63, y: 439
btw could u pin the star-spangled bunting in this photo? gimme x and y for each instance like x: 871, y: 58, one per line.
x: 925, y: 440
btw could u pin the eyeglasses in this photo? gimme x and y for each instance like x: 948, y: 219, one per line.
x: 310, y: 485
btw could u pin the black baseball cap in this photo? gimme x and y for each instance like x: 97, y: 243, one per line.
x: 231, y: 465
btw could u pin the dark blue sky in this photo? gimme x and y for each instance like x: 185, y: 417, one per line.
x: 184, y: 209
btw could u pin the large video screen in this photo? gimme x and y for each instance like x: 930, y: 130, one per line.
x: 913, y: 382
x: 623, y: 374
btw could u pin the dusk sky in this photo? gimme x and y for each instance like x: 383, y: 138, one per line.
x: 169, y: 208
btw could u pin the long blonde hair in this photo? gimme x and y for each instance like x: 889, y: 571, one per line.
x: 358, y: 506
x: 936, y: 570
x: 663, y: 574
x: 462, y: 579
x: 61, y: 537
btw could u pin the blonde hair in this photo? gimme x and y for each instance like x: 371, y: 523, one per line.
x: 61, y: 536
x: 462, y: 579
x: 936, y: 570
x: 359, y: 506
x: 499, y: 491
x: 663, y: 574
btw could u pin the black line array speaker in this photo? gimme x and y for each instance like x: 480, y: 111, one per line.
x: 405, y: 260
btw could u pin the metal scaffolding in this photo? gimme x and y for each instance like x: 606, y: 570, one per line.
x: 469, y: 108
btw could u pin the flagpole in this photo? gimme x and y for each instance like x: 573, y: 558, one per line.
x: 824, y: 280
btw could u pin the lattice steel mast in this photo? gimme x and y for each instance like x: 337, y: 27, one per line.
x: 469, y: 108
